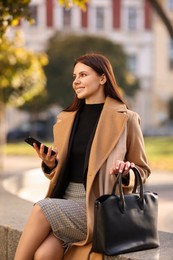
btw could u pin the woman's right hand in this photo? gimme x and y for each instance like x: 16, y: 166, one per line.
x: 48, y: 159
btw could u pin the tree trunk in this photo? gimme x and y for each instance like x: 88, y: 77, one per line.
x: 2, y: 135
x: 156, y: 4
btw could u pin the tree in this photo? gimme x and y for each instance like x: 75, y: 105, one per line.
x: 22, y: 77
x: 11, y: 12
x: 157, y: 6
x: 170, y: 108
x: 62, y: 51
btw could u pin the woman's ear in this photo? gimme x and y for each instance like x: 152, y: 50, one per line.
x: 103, y: 79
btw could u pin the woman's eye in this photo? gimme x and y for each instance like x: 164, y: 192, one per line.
x: 83, y: 74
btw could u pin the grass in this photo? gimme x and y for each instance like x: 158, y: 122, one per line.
x: 21, y: 148
x: 159, y: 151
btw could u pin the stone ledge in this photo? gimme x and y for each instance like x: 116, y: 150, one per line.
x: 13, y: 214
x: 9, y: 238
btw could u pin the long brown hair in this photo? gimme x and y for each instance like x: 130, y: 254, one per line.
x: 101, y: 65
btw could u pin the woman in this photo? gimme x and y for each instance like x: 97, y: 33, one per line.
x: 95, y: 138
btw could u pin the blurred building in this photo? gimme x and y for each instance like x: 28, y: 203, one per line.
x: 163, y: 66
x: 131, y: 23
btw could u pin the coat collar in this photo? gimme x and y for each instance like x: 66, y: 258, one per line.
x: 62, y: 130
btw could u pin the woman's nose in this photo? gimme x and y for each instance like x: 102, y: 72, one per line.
x: 76, y: 80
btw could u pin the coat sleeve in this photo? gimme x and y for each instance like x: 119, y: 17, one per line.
x: 136, y: 148
x: 47, y: 172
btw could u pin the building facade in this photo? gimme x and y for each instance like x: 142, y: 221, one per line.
x: 128, y: 22
x: 163, y: 66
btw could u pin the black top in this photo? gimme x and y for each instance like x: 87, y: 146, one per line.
x: 87, y: 120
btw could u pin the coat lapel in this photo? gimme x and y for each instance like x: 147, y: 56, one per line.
x: 110, y: 126
x: 63, y: 128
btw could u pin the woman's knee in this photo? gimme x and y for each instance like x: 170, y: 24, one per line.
x: 40, y: 254
x: 51, y: 249
x: 44, y: 254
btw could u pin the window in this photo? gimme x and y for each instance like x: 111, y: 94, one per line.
x: 170, y: 4
x: 67, y: 17
x: 171, y: 54
x: 34, y: 14
x: 132, y: 63
x: 132, y: 18
x: 99, y: 18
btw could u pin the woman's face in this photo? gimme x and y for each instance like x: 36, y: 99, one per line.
x: 88, y: 84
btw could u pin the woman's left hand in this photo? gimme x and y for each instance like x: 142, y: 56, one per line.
x: 121, y: 166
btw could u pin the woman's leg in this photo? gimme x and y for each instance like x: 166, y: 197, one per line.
x: 35, y: 232
x: 50, y: 249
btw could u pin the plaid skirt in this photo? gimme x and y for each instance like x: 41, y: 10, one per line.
x: 67, y: 216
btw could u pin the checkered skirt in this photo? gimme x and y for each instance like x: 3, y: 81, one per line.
x: 67, y: 216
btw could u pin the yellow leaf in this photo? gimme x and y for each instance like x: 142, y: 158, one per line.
x: 15, y: 22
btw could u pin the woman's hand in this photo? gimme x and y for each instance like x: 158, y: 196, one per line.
x: 121, y: 166
x: 48, y: 159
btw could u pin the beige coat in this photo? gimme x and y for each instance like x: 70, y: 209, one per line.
x: 118, y: 137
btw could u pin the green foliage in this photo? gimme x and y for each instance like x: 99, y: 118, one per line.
x: 63, y: 50
x: 11, y: 12
x: 22, y: 76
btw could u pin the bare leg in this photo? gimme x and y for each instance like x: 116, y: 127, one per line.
x: 35, y: 232
x: 51, y: 249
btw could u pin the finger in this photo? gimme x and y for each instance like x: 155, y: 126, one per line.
x: 56, y: 153
x: 42, y: 154
x: 126, y: 167
x: 115, y: 167
x: 48, y: 155
x: 121, y: 166
x: 37, y: 149
x: 132, y: 165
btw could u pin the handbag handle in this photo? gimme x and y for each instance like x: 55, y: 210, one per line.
x: 118, y: 183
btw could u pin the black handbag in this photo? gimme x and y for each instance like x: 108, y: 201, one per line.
x: 125, y: 223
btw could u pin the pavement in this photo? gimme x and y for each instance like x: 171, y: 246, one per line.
x: 21, y: 177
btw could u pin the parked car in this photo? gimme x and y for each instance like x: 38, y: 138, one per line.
x: 38, y: 129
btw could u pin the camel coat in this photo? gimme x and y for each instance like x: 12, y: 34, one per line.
x: 118, y: 137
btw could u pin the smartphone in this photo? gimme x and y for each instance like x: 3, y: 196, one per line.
x: 30, y: 140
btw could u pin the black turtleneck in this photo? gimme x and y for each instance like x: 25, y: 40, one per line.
x: 88, y: 118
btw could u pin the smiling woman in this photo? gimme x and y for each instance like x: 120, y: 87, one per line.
x: 94, y: 140
x: 88, y: 84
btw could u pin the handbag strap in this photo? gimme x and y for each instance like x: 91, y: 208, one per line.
x: 138, y: 180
